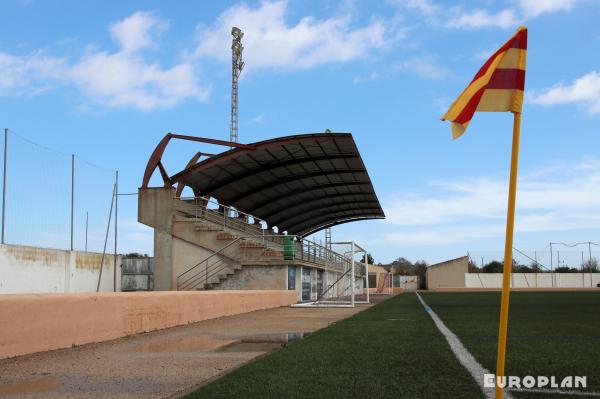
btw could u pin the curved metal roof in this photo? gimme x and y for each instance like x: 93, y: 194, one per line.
x: 301, y: 184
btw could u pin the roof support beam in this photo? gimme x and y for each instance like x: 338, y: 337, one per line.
x: 158, y: 152
x: 192, y: 161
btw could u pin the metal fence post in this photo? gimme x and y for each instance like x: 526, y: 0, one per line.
x: 110, y: 212
x: 352, y: 276
x: 72, y: 194
x: 4, y: 184
x: 86, y: 230
x: 116, y: 224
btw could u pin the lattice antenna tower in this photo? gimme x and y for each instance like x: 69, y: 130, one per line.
x: 236, y: 69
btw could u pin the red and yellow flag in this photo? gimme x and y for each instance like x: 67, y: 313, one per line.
x: 497, y: 87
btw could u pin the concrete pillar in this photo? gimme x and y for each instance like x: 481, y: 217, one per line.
x: 155, y: 209
x: 163, y: 261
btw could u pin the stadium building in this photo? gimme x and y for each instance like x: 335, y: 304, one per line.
x: 245, y: 226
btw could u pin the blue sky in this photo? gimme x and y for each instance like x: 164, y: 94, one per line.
x: 106, y: 80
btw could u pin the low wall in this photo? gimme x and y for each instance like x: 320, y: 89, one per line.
x: 33, y: 323
x: 533, y: 280
x: 25, y: 269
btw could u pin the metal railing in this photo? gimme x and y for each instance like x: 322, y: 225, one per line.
x: 253, y: 228
x: 223, y: 215
x: 203, y: 271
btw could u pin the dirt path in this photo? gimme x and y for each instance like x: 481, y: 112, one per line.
x: 162, y: 363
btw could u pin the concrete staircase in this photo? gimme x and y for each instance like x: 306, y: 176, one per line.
x: 203, y: 243
x: 229, y: 249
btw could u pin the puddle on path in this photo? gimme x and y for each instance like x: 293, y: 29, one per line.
x: 16, y: 389
x: 229, y: 343
x: 185, y: 344
x: 263, y: 342
x: 278, y: 338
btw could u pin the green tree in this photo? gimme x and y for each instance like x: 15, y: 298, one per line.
x: 371, y: 260
x: 493, y: 267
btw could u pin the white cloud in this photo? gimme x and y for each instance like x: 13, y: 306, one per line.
x: 584, y: 90
x: 483, y: 19
x: 424, y: 66
x: 533, y: 8
x: 455, y: 17
x: 138, y: 31
x: 271, y: 42
x: 30, y: 74
x: 426, y: 7
x: 124, y: 78
x: 560, y: 198
x: 258, y: 119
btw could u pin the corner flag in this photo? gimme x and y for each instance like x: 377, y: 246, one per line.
x: 497, y: 87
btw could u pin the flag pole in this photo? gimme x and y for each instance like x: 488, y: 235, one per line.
x: 510, y: 226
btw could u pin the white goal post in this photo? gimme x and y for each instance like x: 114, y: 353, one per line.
x: 347, y: 287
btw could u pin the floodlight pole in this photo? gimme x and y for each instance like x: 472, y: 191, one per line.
x: 236, y: 69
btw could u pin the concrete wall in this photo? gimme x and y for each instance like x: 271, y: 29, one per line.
x: 533, y: 280
x: 184, y: 256
x: 410, y: 283
x: 257, y: 278
x: 26, y: 269
x: 447, y: 274
x: 51, y: 321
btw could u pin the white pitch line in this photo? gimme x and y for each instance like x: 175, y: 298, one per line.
x: 477, y: 370
x: 462, y: 354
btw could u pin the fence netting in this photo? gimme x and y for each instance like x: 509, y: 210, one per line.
x: 39, y: 192
x: 573, y: 256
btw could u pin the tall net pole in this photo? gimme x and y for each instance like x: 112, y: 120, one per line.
x: 236, y: 69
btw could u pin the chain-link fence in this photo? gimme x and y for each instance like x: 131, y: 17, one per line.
x: 53, y: 199
x: 564, y: 257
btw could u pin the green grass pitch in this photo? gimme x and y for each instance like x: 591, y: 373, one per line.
x: 393, y: 350
x: 550, y: 333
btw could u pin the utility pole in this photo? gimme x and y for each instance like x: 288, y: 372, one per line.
x: 116, y: 230
x: 4, y: 184
x: 86, y: 228
x: 236, y: 69
x: 72, y: 195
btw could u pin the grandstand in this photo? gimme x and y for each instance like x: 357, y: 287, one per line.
x: 253, y: 206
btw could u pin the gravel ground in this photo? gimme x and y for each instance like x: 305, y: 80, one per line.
x: 164, y: 363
